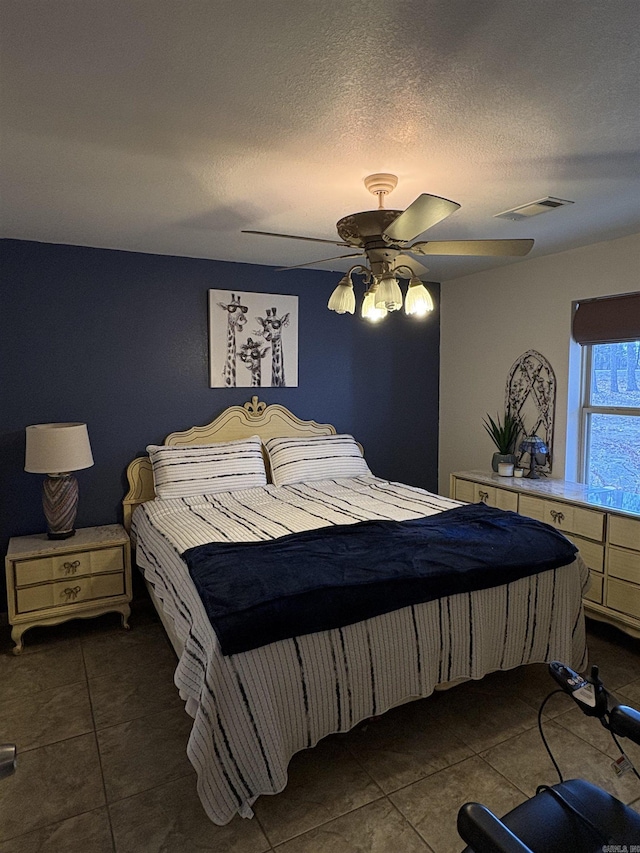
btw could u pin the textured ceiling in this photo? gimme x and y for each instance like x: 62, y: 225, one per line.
x: 168, y: 126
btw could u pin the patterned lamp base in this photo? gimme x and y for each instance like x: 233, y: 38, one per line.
x: 60, y: 504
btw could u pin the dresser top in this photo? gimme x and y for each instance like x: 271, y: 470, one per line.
x: 615, y: 500
x: 84, y: 539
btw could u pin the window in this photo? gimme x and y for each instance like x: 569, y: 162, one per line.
x: 608, y: 328
x: 611, y: 416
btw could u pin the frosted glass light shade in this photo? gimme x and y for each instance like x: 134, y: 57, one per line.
x: 388, y: 294
x: 57, y: 448
x: 369, y: 310
x: 343, y: 298
x: 418, y: 300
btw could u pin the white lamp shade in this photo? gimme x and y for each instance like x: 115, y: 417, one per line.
x: 343, y: 298
x: 57, y: 448
x: 418, y: 299
x: 369, y: 310
x: 388, y: 294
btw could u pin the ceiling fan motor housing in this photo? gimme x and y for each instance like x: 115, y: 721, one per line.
x: 364, y: 230
x: 357, y: 229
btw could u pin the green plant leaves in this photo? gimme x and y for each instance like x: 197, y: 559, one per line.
x: 504, y: 435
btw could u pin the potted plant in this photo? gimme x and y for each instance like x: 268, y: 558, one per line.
x: 505, y: 437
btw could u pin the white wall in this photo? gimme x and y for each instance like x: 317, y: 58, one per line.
x: 490, y: 318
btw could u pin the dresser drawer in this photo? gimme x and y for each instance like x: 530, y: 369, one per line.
x: 624, y: 531
x: 623, y: 596
x: 594, y: 593
x: 68, y: 592
x: 470, y: 492
x: 624, y: 564
x: 464, y: 491
x: 591, y: 552
x: 493, y: 496
x: 565, y: 517
x: 69, y: 566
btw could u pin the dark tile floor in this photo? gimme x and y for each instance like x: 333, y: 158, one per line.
x: 101, y: 734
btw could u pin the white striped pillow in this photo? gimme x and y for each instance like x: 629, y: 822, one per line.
x: 204, y: 469
x: 318, y: 457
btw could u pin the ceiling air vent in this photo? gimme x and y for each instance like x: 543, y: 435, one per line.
x: 534, y: 208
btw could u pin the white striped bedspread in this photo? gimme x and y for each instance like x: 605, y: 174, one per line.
x: 253, y: 711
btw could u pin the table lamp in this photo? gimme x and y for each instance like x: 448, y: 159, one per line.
x: 532, y: 444
x: 56, y: 450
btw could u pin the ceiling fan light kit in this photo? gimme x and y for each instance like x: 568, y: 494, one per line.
x: 343, y: 298
x: 384, y: 237
x: 369, y: 310
x: 418, y: 300
x: 388, y: 293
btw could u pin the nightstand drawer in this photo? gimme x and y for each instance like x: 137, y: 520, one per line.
x: 565, y: 517
x: 69, y: 591
x: 69, y: 566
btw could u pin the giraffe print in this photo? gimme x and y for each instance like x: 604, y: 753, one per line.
x: 235, y: 321
x: 272, y: 331
x: 252, y: 355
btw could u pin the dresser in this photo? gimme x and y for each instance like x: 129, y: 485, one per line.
x: 603, y: 523
x: 50, y: 581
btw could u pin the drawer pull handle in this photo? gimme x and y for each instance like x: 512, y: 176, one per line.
x: 484, y: 496
x: 70, y: 593
x: 71, y: 568
x: 558, y: 517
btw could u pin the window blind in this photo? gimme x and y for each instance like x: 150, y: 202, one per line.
x: 607, y: 320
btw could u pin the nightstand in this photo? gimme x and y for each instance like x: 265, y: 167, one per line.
x: 50, y: 581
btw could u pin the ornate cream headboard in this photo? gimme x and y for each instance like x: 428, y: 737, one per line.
x: 253, y: 418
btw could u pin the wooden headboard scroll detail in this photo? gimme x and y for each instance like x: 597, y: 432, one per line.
x: 253, y: 418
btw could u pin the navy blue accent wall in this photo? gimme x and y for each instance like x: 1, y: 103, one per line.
x: 119, y: 340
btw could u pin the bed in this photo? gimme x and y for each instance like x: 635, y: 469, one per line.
x: 253, y: 710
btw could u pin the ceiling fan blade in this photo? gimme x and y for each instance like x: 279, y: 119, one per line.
x: 407, y: 260
x: 425, y: 211
x: 296, y: 237
x: 503, y: 248
x: 323, y: 261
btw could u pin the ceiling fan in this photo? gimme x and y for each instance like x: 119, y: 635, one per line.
x: 384, y: 236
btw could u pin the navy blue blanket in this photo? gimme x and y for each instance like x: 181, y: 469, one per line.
x: 259, y: 592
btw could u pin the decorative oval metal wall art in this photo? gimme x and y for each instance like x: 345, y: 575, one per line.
x: 531, y: 397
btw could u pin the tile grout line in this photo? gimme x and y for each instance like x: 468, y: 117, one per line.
x: 48, y: 825
x: 132, y: 719
x: 21, y: 699
x: 327, y: 822
x: 507, y: 780
x: 264, y: 832
x: 344, y: 749
x: 152, y: 788
x: 95, y: 738
x: 414, y: 828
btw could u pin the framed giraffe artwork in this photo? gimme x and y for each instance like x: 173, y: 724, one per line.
x: 253, y: 340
